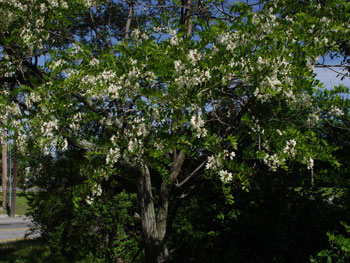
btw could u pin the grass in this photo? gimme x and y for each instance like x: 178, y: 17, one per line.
x: 32, y: 251
x: 21, y: 204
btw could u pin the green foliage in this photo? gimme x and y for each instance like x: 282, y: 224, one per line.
x: 36, y: 251
x: 339, y: 251
x: 106, y: 229
x: 273, y: 222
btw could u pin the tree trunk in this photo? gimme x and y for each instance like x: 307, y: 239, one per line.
x: 165, y: 188
x: 148, y: 217
x: 155, y: 228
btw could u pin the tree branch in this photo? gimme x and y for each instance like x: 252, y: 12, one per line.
x: 195, y: 171
x: 128, y: 21
x: 98, y: 110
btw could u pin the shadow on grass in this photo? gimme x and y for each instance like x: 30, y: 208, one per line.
x: 28, y: 251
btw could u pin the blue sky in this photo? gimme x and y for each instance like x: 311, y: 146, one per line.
x: 329, y: 78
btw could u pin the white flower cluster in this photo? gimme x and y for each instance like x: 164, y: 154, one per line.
x: 50, y: 140
x: 34, y: 97
x: 273, y: 161
x: 225, y: 176
x: 138, y: 37
x: 12, y: 109
x: 334, y: 110
x: 16, y: 4
x: 270, y: 83
x: 32, y: 31
x: 213, y: 162
x: 75, y: 49
x: 64, y: 145
x: 257, y: 128
x: 175, y: 40
x: 43, y: 8
x: 106, y: 76
x: 138, y: 128
x: 113, y: 154
x: 114, y: 91
x: 53, y: 3
x: 304, y: 100
x: 89, y: 3
x: 21, y: 135
x: 265, y: 23
x: 230, y: 155
x: 290, y: 148
x: 309, y: 162
x: 21, y: 140
x: 95, y: 192
x: 179, y: 66
x: 135, y: 146
x: 229, y: 40
x: 192, y: 77
x: 313, y: 118
x: 56, y: 64
x: 27, y: 35
x: 94, y: 62
x: 194, y: 56
x: 197, y: 124
x: 48, y: 128
x: 74, y: 125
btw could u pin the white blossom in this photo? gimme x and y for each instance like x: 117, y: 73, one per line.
x: 113, y: 156
x: 65, y: 145
x: 225, y: 176
x: 272, y: 161
x: 336, y: 111
x: 108, y: 75
x: 179, y: 66
x: 89, y: 200
x: 94, y: 62
x: 212, y: 163
x: 313, y: 118
x: 198, y: 124
x: 96, y: 190
x: 194, y: 56
x: 230, y: 155
x: 135, y: 35
x: 133, y: 145
x: 175, y: 40
x: 309, y: 163
x: 290, y: 148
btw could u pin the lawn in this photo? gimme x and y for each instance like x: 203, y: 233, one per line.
x: 21, y: 204
x: 32, y: 251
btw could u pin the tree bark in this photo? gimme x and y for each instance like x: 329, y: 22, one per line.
x: 128, y: 21
x: 162, y: 217
x: 189, y: 22
x: 147, y: 214
x: 154, y: 227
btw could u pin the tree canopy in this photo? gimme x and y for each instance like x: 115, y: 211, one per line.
x: 201, y: 90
